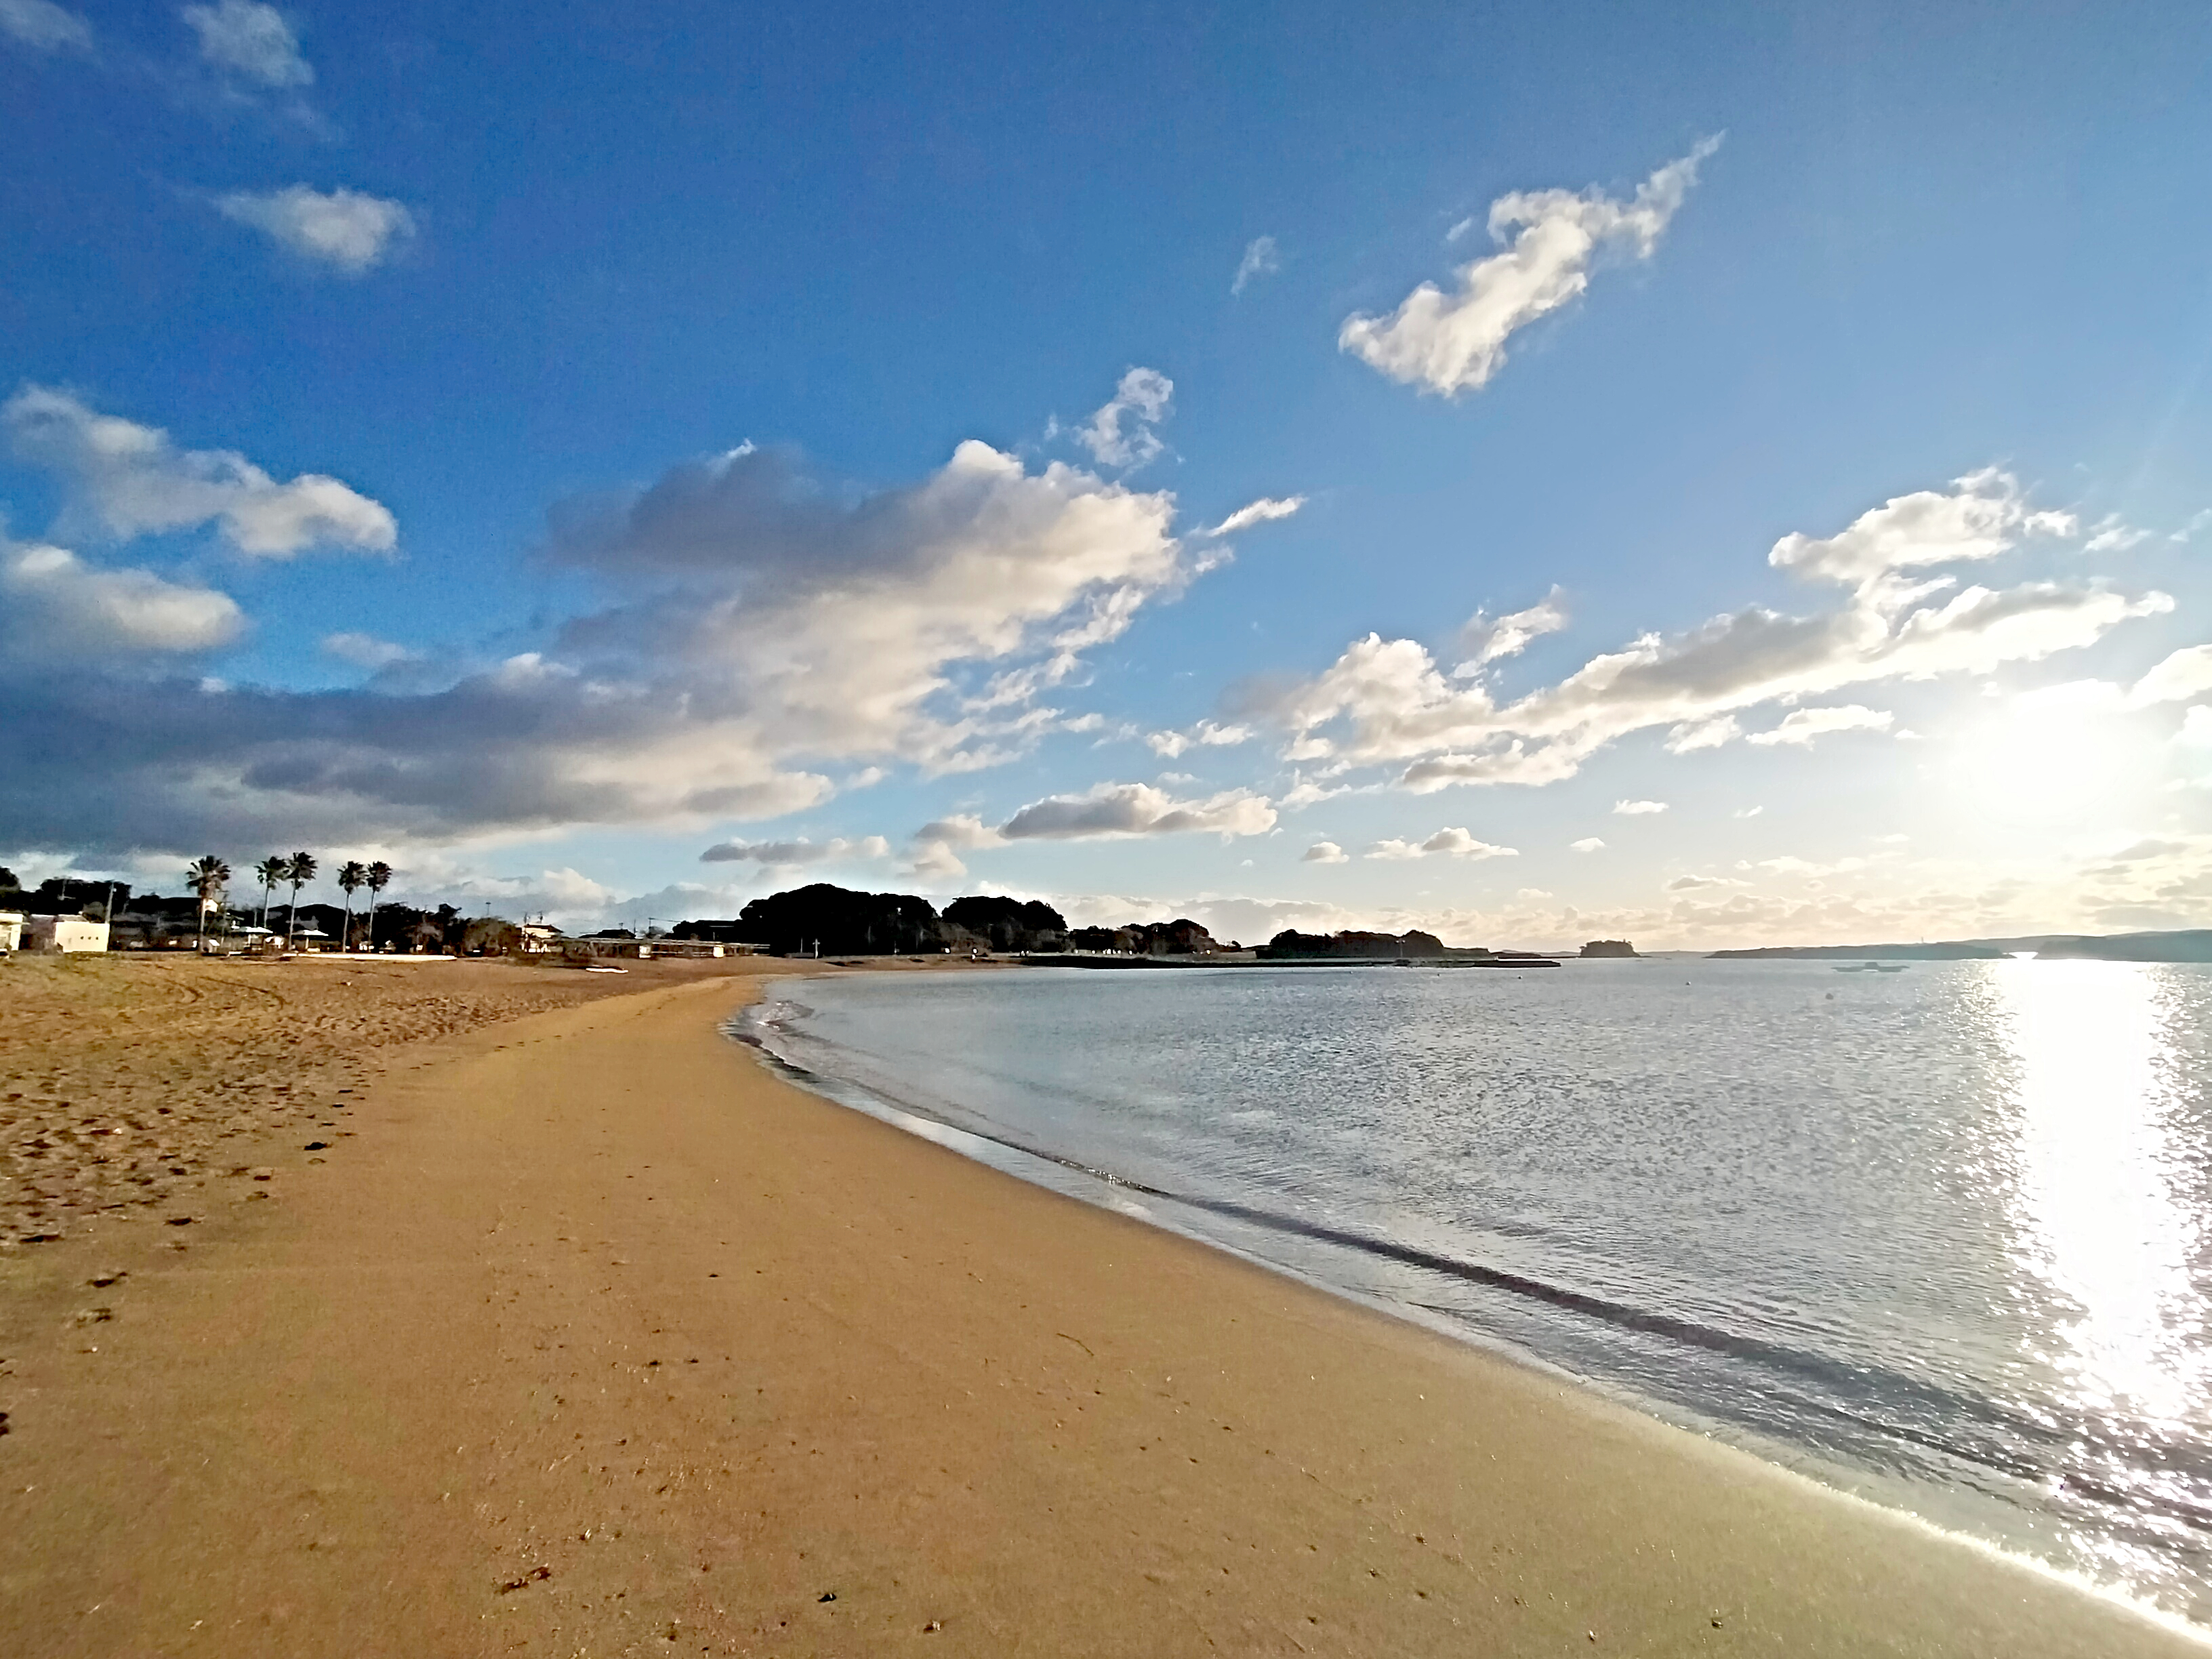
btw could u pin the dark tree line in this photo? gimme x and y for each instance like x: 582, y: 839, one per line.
x: 1290, y: 943
x: 838, y: 922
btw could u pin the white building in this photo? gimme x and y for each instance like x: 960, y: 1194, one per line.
x: 63, y: 933
x: 11, y: 930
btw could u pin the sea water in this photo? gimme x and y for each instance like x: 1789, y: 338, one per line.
x: 1939, y: 1238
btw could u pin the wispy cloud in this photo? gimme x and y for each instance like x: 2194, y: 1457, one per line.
x: 1488, y: 639
x: 1260, y: 259
x: 1801, y: 726
x: 1120, y: 433
x: 342, y: 228
x: 366, y: 651
x: 795, y: 854
x: 1167, y: 746
x: 44, y: 27
x: 2109, y: 534
x: 1265, y: 510
x: 1639, y: 808
x: 1453, y: 342
x: 249, y: 42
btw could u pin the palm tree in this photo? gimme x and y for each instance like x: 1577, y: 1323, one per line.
x: 352, y: 877
x: 299, y: 870
x: 206, y: 876
x: 271, y: 871
x: 378, y: 877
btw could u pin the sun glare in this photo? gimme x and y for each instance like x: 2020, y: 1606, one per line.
x: 2040, y: 765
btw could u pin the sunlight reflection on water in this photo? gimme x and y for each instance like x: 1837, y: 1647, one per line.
x: 2107, y: 1223
x: 2106, y: 1227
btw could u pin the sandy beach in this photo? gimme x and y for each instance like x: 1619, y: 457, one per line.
x: 539, y: 1317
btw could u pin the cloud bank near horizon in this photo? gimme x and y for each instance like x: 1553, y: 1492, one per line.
x: 757, y: 629
x: 1386, y: 704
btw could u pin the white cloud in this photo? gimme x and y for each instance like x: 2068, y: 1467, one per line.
x: 366, y: 651
x: 1450, y: 844
x: 1170, y: 744
x: 2195, y: 728
x: 1485, y: 640
x: 793, y: 854
x: 1587, y: 844
x: 1982, y: 515
x: 1453, y: 342
x: 961, y: 829
x: 345, y: 228
x: 1260, y: 259
x: 1457, y: 843
x: 933, y: 860
x: 937, y: 846
x: 44, y: 27
x: 1120, y: 433
x: 59, y: 607
x: 1324, y: 852
x: 1386, y: 700
x: 1268, y: 507
x: 1639, y: 808
x: 2197, y: 522
x: 2072, y: 696
x: 250, y: 40
x: 1139, y: 809
x: 2176, y: 678
x: 1801, y: 726
x: 1747, y: 812
x: 131, y: 480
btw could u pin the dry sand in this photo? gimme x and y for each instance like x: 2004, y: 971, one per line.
x: 124, y: 1079
x: 595, y: 1338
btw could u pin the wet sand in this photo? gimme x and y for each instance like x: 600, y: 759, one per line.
x: 593, y: 1337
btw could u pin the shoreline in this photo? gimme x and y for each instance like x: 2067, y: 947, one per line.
x: 597, y: 1336
x: 1098, y: 1189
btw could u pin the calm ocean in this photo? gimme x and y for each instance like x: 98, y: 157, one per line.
x: 1938, y: 1238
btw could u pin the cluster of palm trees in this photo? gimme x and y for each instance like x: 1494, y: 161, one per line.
x: 208, y: 877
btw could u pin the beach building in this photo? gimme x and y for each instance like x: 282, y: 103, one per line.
x: 67, y: 934
x: 688, y: 947
x: 636, y: 950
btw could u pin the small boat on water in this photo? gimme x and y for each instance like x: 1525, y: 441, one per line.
x: 1871, y: 967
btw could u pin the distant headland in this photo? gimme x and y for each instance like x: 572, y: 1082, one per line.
x: 2177, y: 944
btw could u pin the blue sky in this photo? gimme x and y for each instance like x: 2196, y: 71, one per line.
x: 529, y: 447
